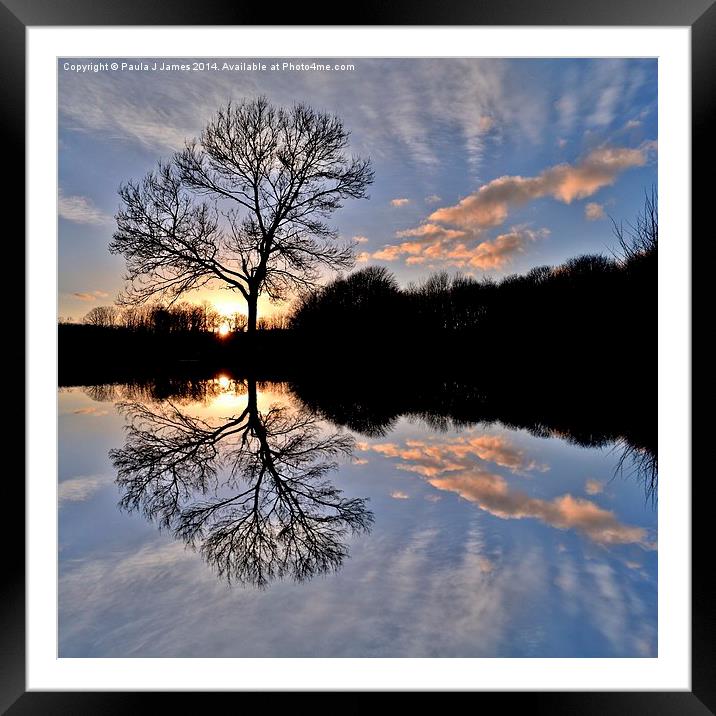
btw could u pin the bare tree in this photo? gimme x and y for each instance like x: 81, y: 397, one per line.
x: 269, y: 177
x: 105, y: 316
x: 641, y: 237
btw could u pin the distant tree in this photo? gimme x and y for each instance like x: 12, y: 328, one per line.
x: 105, y: 316
x: 362, y: 300
x: 237, y: 322
x: 274, y: 323
x: 271, y: 177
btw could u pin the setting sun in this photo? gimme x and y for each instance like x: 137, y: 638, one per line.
x: 224, y: 329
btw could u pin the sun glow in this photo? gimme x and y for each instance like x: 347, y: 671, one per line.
x: 224, y: 329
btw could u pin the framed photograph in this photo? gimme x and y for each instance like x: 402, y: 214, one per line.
x: 354, y: 360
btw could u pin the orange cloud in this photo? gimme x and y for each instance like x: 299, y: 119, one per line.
x: 460, y: 465
x: 434, y: 244
x: 492, y: 494
x: 429, y: 233
x: 454, y: 235
x: 432, y: 458
x: 495, y: 253
x: 399, y: 202
x: 490, y: 204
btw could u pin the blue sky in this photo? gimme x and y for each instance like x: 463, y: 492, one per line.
x: 483, y: 166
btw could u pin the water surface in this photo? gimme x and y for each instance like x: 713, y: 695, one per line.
x: 227, y: 518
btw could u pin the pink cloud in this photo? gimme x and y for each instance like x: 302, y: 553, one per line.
x: 461, y: 465
x: 490, y: 204
x: 434, y: 244
x: 399, y: 202
x: 431, y: 232
x: 455, y: 235
x: 492, y: 494
x: 432, y: 458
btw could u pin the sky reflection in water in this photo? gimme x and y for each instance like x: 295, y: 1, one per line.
x: 486, y: 542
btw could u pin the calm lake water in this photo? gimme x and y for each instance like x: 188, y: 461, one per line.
x: 222, y: 518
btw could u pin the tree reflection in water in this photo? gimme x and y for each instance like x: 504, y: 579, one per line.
x: 253, y: 492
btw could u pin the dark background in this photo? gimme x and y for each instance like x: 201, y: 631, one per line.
x: 15, y: 15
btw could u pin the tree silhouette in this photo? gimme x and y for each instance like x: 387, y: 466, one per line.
x: 270, y: 177
x: 274, y: 513
x: 104, y: 316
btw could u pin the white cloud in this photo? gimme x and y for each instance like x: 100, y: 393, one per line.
x: 597, y: 93
x: 593, y: 487
x: 79, y: 489
x: 393, y: 110
x: 594, y: 211
x: 90, y: 295
x: 80, y: 210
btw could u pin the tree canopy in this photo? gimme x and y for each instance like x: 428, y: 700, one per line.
x: 244, y: 207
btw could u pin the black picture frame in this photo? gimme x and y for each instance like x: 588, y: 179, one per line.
x: 699, y: 15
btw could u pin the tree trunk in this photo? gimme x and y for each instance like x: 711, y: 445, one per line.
x: 252, y: 302
x: 251, y: 394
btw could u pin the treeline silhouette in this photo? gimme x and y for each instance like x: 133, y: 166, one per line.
x: 595, y: 412
x: 158, y: 318
x: 592, y: 414
x: 176, y: 318
x: 590, y: 307
x: 593, y: 315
